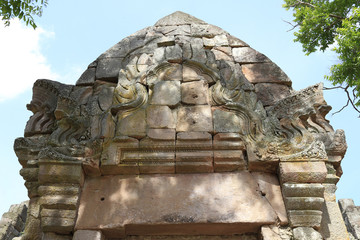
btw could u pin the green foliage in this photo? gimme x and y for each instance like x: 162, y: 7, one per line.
x: 335, y: 25
x: 22, y: 9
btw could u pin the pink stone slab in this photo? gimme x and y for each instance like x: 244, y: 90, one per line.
x: 181, y: 204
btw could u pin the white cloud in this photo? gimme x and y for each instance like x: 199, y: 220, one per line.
x: 21, y: 60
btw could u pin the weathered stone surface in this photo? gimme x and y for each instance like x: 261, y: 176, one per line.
x: 351, y: 215
x: 305, y: 218
x: 303, y: 190
x: 198, y: 51
x: 189, y: 74
x: 160, y: 117
x: 222, y: 53
x: 88, y: 234
x: 193, y: 136
x: 269, y: 93
x: 133, y: 125
x: 247, y: 236
x: 332, y: 223
x: 205, y: 30
x: 235, y: 42
x: 166, y: 41
x: 87, y: 78
x: 178, y: 18
x: 265, y: 73
x: 229, y: 160
x: 248, y: 55
x: 270, y: 189
x: 166, y: 93
x: 270, y: 233
x: 304, y: 203
x: 173, y: 54
x: 221, y: 40
x: 60, y: 172
x: 303, y: 172
x: 208, y: 42
x: 54, y: 236
x: 228, y: 141
x: 225, y: 121
x: 108, y: 69
x: 306, y: 233
x: 174, y: 30
x: 195, y: 92
x: 197, y: 118
x: 161, y: 134
x: 190, y: 204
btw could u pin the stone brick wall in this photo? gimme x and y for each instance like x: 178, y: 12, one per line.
x: 351, y: 215
x: 12, y: 222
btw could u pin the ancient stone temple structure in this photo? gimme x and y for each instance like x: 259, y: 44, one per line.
x: 181, y: 131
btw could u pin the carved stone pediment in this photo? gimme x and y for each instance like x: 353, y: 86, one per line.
x: 181, y: 102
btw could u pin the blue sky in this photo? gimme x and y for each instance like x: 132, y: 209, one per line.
x: 71, y: 34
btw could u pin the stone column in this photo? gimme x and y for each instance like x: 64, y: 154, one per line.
x: 303, y: 192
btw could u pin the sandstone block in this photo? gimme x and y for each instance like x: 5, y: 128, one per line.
x: 195, y: 92
x: 205, y: 30
x: 270, y: 188
x: 152, y: 144
x: 306, y: 233
x: 108, y: 69
x: 161, y: 134
x: 174, y: 30
x: 88, y: 234
x: 193, y: 136
x: 157, y: 167
x: 194, y: 167
x: 305, y: 218
x: 228, y: 141
x: 248, y: 55
x: 57, y: 225
x: 221, y: 40
x: 303, y: 172
x: 227, y: 122
x: 133, y: 125
x: 29, y: 174
x: 269, y: 93
x: 198, y: 52
x: 87, y: 78
x: 229, y: 160
x: 332, y: 223
x: 304, y: 203
x: 222, y: 53
x: 189, y: 74
x: 166, y: 93
x: 173, y: 54
x: 160, y: 117
x: 265, y: 73
x: 197, y: 118
x: 59, y: 202
x: 54, y: 236
x: 60, y: 172
x: 303, y: 190
x: 235, y: 42
x: 166, y: 41
x: 59, y: 190
x: 191, y: 204
x: 197, y: 156
x: 208, y: 42
x: 270, y: 233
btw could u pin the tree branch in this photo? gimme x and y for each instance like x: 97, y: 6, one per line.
x: 293, y: 25
x: 350, y: 100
